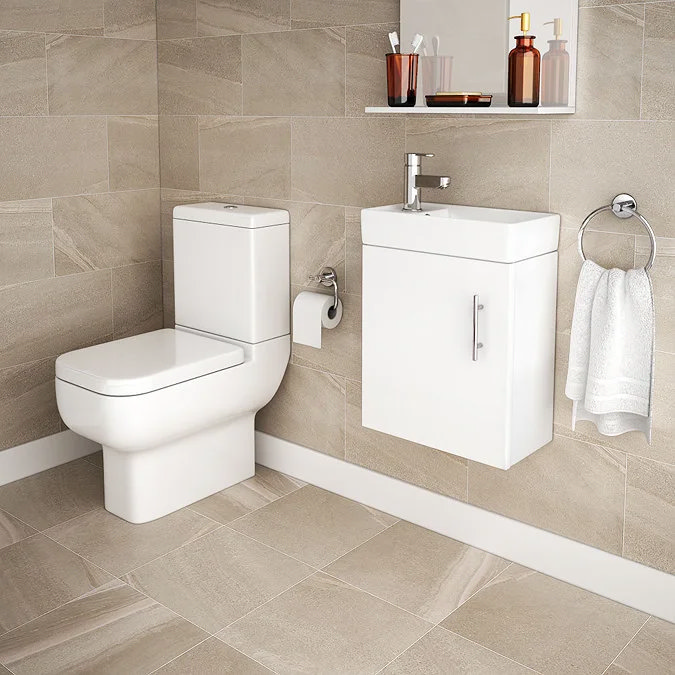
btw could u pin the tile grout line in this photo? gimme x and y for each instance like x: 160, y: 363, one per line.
x: 484, y: 586
x: 173, y: 550
x: 377, y: 597
x: 508, y: 658
x: 351, y: 550
x: 276, y: 550
x: 78, y: 597
x: 421, y: 637
x: 626, y: 645
x: 243, y: 616
x: 37, y: 529
x: 175, y: 658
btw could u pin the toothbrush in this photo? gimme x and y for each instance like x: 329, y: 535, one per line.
x: 393, y: 40
x: 416, y: 42
x: 436, y: 42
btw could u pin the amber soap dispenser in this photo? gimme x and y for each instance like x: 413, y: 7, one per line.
x: 524, y: 62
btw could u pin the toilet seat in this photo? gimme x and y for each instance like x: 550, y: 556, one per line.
x: 147, y: 362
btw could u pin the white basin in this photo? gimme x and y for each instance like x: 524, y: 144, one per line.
x: 499, y: 235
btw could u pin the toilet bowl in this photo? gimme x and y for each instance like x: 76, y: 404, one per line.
x: 174, y: 409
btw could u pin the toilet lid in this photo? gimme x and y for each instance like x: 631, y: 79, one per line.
x: 144, y: 363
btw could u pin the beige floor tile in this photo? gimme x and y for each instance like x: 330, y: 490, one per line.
x: 650, y: 652
x: 236, y: 501
x: 441, y: 653
x: 326, y: 626
x: 417, y: 569
x: 217, y: 579
x: 37, y: 575
x: 114, y: 629
x: 314, y: 525
x: 119, y: 547
x: 12, y: 529
x: 213, y: 657
x: 546, y: 624
x: 649, y: 534
x: 55, y: 495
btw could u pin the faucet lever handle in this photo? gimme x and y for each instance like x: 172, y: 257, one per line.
x: 410, y: 155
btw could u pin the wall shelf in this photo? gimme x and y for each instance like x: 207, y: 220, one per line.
x: 492, y: 110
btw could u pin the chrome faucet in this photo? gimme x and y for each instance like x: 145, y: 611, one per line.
x: 414, y: 181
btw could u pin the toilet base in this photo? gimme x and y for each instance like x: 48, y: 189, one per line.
x: 144, y: 485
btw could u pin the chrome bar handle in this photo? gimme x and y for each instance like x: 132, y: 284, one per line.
x: 476, y: 345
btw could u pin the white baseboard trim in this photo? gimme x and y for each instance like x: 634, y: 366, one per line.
x: 44, y: 453
x: 612, y: 576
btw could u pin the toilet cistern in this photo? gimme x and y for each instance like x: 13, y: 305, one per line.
x: 415, y: 181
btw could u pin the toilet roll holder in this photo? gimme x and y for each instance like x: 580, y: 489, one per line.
x: 328, y: 277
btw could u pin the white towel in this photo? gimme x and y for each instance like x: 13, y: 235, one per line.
x: 611, y: 361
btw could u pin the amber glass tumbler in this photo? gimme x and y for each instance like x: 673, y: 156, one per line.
x: 524, y: 73
x: 401, y: 79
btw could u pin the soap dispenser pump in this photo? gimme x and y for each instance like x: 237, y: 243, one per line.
x: 555, y: 69
x: 524, y: 62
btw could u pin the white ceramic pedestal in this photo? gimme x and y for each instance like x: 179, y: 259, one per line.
x: 144, y: 485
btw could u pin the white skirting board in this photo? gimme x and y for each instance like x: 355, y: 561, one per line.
x: 606, y: 574
x: 44, y: 453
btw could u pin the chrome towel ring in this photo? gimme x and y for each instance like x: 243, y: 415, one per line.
x: 622, y: 206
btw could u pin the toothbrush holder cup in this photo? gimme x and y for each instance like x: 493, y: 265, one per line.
x: 402, y: 80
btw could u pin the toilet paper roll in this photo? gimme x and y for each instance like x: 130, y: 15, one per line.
x: 310, y: 314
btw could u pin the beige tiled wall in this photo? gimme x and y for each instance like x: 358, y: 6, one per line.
x: 80, y: 246
x: 293, y: 134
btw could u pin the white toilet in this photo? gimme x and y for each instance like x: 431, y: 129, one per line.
x: 174, y: 409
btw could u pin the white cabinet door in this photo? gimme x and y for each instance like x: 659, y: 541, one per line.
x: 420, y: 381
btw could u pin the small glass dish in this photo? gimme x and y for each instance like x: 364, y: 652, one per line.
x: 459, y: 100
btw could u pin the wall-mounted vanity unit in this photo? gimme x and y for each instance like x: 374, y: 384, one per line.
x: 459, y: 309
x: 478, y: 36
